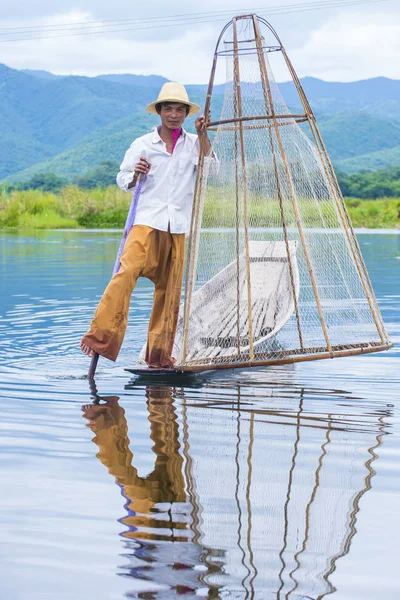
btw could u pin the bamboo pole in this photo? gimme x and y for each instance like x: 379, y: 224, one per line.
x: 263, y: 126
x: 279, y: 354
x: 194, y: 223
x: 283, y: 361
x: 292, y: 193
x: 236, y: 145
x: 237, y: 91
x: 257, y: 118
x: 269, y: 108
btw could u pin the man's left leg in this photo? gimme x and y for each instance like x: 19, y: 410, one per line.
x: 167, y: 295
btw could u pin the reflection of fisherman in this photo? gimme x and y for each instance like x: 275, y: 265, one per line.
x: 165, y: 483
x: 155, y: 245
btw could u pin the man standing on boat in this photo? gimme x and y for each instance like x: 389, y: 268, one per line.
x: 155, y: 246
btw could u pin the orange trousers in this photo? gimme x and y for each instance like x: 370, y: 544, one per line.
x: 159, y: 256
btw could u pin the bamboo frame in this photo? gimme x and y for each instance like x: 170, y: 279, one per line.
x: 272, y: 123
x: 279, y: 354
x: 193, y: 368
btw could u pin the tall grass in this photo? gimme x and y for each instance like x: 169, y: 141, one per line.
x: 73, y: 207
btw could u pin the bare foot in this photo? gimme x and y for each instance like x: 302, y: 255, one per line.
x: 86, y: 349
x: 110, y: 410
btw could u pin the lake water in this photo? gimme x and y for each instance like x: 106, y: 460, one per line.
x: 261, y: 483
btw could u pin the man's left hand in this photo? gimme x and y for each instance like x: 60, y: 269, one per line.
x: 201, y: 124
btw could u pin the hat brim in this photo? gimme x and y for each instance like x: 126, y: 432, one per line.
x: 193, y: 108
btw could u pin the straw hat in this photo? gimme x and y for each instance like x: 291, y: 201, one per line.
x: 173, y: 92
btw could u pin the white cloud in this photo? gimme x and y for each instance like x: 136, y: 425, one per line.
x: 183, y: 57
x: 357, y: 47
x: 334, y: 45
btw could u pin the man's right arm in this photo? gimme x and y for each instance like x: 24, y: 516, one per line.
x: 126, y: 178
x: 131, y: 167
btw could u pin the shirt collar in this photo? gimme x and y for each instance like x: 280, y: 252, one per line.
x: 156, y: 136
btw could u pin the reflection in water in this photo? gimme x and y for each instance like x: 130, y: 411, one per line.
x: 161, y: 527
x: 259, y: 500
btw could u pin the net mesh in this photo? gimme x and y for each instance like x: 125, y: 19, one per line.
x: 273, y: 267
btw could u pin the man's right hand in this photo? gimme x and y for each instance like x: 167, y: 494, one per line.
x: 141, y: 167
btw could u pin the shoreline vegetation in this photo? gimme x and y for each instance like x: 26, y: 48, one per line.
x: 106, y: 208
x: 93, y: 201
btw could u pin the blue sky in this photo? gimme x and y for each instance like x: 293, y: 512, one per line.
x: 341, y: 43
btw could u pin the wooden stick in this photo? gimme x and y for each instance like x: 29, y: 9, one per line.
x: 269, y: 108
x: 242, y: 119
x: 286, y: 361
x: 263, y: 126
x: 237, y: 89
x: 236, y: 145
x: 194, y: 223
x: 93, y: 366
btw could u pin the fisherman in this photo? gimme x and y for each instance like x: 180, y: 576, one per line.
x: 155, y: 245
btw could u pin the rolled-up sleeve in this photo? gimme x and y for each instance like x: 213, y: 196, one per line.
x: 127, y: 168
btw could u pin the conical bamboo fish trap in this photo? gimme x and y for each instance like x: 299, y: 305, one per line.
x: 274, y: 272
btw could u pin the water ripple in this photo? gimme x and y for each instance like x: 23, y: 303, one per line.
x: 260, y: 483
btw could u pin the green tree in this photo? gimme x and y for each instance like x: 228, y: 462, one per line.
x: 48, y: 182
x: 101, y: 177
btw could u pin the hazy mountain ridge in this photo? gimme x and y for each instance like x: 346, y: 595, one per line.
x: 67, y: 123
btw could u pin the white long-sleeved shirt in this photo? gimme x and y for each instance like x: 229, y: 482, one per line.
x: 166, y: 198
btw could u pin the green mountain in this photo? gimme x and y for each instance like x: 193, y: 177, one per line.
x: 379, y: 96
x: 350, y: 134
x: 42, y: 117
x: 371, y: 162
x: 68, y: 124
x: 345, y: 135
x: 108, y: 143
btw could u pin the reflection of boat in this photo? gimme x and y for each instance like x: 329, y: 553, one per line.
x: 290, y: 484
x: 261, y: 503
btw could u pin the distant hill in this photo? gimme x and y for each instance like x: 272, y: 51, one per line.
x: 140, y: 80
x: 378, y: 96
x: 345, y: 137
x: 124, y: 78
x: 68, y: 124
x: 370, y: 162
x: 40, y: 73
x: 42, y: 117
x: 349, y: 134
